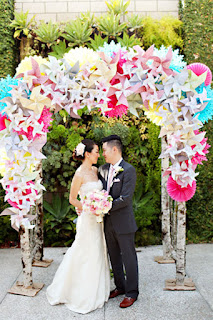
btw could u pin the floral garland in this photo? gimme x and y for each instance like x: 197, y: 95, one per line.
x: 127, y: 80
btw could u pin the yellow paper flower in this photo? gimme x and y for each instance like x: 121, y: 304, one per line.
x: 151, y: 113
x: 83, y: 55
x: 3, y: 158
x: 26, y: 65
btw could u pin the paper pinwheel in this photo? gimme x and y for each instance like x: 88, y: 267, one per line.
x: 36, y: 102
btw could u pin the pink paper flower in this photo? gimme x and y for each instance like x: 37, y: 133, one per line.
x: 161, y: 65
x: 24, y: 193
x: 199, y: 158
x: 200, y: 68
x: 177, y: 193
x: 46, y: 118
x: 2, y: 122
x: 116, y: 110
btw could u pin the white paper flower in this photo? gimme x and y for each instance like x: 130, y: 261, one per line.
x: 83, y: 55
x: 80, y: 149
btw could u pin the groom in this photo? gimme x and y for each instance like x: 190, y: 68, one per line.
x: 118, y: 178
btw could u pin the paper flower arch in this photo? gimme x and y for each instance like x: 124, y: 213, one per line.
x: 115, y: 83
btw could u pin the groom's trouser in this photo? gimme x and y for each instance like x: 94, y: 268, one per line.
x: 121, y: 248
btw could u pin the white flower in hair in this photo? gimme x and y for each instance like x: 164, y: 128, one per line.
x: 80, y: 149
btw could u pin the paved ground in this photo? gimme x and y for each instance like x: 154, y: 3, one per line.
x: 153, y: 304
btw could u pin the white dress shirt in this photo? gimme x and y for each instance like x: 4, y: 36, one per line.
x: 110, y: 168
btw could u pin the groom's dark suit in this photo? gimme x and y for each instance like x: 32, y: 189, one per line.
x: 120, y: 227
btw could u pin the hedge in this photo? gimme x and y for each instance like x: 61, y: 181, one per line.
x: 197, y: 20
x: 8, y: 54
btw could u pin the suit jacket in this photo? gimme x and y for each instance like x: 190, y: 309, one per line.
x: 122, y: 189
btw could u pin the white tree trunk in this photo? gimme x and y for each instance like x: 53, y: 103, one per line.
x: 181, y: 244
x: 165, y: 206
x: 32, y: 231
x: 26, y: 257
x: 38, y: 232
x: 174, y: 225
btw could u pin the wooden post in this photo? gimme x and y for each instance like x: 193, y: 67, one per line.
x: 25, y: 46
x: 165, y: 212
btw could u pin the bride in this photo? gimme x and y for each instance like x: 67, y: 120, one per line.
x: 82, y: 280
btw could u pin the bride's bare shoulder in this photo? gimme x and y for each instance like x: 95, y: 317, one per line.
x: 79, y: 170
x: 95, y: 169
x: 78, y: 174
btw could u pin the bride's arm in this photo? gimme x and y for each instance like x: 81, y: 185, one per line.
x: 75, y: 187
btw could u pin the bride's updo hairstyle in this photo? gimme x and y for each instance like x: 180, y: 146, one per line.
x: 82, y: 147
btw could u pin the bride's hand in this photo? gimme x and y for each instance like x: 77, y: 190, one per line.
x: 78, y: 211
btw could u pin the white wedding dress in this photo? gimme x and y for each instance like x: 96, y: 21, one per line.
x: 82, y: 280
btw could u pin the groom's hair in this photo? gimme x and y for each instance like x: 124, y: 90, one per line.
x: 113, y: 141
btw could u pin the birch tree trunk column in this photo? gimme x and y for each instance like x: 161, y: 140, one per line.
x: 165, y: 206
x: 180, y: 283
x: 181, y: 244
x: 174, y: 226
x: 27, y: 287
x: 38, y: 232
x: 38, y: 239
x: 26, y: 258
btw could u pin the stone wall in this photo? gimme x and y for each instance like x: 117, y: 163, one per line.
x: 63, y: 10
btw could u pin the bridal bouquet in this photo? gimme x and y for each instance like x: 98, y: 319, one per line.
x: 97, y: 202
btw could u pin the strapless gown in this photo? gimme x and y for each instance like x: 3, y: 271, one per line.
x: 82, y: 281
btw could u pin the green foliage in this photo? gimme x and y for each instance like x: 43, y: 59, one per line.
x: 134, y: 21
x: 200, y: 207
x: 109, y: 24
x: 100, y: 129
x: 166, y: 31
x: 21, y: 24
x: 58, y: 50
x: 58, y: 222
x: 77, y: 33
x: 145, y: 216
x: 48, y: 33
x: 143, y: 152
x: 63, y: 137
x: 88, y: 18
x: 7, y: 234
x: 129, y: 42
x: 8, y: 59
x: 92, y: 32
x: 117, y: 6
x: 198, y: 31
x: 97, y: 42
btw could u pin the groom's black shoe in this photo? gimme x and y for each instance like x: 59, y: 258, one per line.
x: 114, y: 293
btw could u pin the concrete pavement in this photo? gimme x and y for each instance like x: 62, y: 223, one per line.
x: 153, y: 304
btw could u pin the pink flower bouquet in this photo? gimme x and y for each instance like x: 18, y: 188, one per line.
x: 98, y: 203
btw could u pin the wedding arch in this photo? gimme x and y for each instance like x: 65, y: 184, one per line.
x: 176, y: 99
